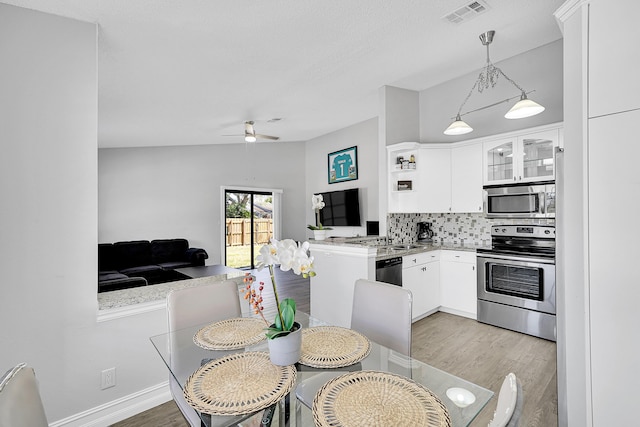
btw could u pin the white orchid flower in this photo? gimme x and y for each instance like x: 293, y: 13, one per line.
x: 286, y: 251
x: 290, y: 254
x: 268, y: 255
x: 317, y: 202
x: 302, y: 262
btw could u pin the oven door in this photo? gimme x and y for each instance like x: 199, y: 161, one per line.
x: 518, y: 281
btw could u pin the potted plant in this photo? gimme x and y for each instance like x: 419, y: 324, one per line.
x: 284, y: 334
x: 319, y: 232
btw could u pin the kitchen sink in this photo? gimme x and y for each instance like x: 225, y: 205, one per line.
x: 404, y: 247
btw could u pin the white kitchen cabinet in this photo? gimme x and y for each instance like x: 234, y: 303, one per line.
x: 458, y: 278
x: 613, y: 274
x: 613, y: 67
x: 498, y: 161
x: 421, y: 275
x: 466, y: 178
x: 403, y: 177
x: 521, y: 158
x: 435, y: 179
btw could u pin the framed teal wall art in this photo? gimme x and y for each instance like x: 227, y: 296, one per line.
x: 343, y: 165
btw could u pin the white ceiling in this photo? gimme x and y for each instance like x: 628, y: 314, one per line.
x: 187, y: 72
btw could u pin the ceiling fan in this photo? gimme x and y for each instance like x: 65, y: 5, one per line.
x: 250, y: 134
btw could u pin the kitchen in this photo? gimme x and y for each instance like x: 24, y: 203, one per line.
x: 434, y: 253
x: 439, y: 265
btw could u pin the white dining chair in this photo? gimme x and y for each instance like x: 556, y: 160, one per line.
x: 510, y: 400
x: 194, y: 306
x: 382, y: 312
x: 20, y: 402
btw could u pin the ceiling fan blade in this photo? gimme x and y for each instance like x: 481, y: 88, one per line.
x: 273, y: 138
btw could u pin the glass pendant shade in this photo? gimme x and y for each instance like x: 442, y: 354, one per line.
x: 524, y: 108
x: 458, y: 127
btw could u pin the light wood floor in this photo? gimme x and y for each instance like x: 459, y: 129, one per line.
x: 471, y: 350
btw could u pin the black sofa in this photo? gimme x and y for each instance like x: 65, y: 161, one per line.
x: 124, y: 265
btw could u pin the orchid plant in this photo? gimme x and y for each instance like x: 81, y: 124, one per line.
x: 317, y: 203
x: 290, y: 255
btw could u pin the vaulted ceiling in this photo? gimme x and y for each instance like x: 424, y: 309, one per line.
x: 189, y: 72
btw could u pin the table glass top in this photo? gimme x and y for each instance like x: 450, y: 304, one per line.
x: 183, y: 357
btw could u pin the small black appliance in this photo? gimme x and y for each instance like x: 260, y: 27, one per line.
x: 425, y: 234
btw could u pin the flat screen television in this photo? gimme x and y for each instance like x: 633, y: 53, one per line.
x: 341, y: 208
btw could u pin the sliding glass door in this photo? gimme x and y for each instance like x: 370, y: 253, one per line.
x: 248, y: 224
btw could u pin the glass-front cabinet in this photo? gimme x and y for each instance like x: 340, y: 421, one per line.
x: 499, y: 161
x: 538, y: 155
x: 525, y: 158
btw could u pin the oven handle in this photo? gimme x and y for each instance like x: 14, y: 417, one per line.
x: 516, y: 258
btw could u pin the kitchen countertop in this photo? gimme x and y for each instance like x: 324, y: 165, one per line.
x: 386, y: 251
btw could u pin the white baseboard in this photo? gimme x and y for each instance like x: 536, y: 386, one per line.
x: 459, y: 313
x: 119, y: 409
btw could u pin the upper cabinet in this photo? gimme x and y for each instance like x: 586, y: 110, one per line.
x: 448, y: 178
x: 435, y: 179
x: 466, y: 178
x: 519, y: 159
x: 613, y: 67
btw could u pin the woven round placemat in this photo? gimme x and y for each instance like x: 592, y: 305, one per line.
x: 238, y: 384
x: 332, y: 347
x: 370, y: 398
x: 231, y: 334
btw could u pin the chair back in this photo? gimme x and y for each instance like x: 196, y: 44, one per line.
x: 20, y: 402
x: 510, y: 401
x: 382, y: 312
x: 190, y: 307
x: 201, y: 304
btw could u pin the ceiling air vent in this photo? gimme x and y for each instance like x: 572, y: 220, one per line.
x: 467, y: 12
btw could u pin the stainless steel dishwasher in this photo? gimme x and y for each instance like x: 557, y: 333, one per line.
x: 389, y: 271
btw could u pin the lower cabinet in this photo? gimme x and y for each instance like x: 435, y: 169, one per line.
x: 458, y: 278
x: 442, y: 280
x: 421, y: 275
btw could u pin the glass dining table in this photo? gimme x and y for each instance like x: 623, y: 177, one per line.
x: 183, y: 357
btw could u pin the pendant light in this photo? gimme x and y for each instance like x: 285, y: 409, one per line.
x: 459, y: 127
x: 488, y: 77
x: 524, y: 108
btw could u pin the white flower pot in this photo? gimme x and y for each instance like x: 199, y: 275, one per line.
x: 286, y: 350
x: 319, y: 234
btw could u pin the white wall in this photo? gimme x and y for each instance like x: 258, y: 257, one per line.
x: 170, y: 192
x: 539, y: 69
x: 364, y: 135
x: 48, y: 185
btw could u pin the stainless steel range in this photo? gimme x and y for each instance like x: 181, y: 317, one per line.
x: 517, y: 280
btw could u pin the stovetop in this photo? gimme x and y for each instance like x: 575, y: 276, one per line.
x: 523, y: 240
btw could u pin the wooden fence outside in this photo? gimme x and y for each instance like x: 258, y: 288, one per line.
x: 239, y: 231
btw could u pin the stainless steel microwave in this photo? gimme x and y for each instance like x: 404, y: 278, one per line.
x: 520, y: 201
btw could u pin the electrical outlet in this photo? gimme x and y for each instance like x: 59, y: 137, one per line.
x: 108, y: 378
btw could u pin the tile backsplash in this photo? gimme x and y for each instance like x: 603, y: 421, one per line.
x: 459, y: 228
